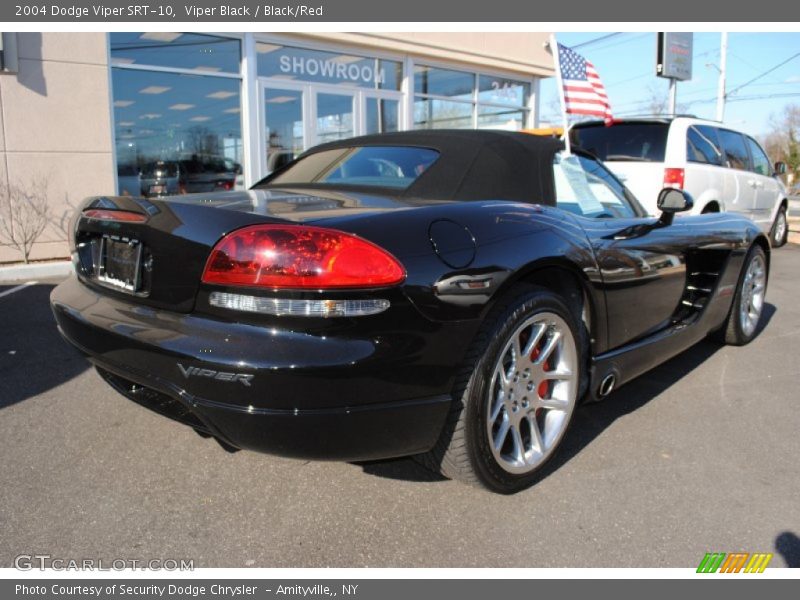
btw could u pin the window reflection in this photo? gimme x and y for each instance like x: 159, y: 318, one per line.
x: 495, y: 117
x: 176, y: 133
x: 204, y: 53
x: 334, y: 117
x: 443, y: 82
x: 459, y: 99
x: 284, y: 114
x: 500, y: 90
x: 431, y: 113
x: 382, y: 115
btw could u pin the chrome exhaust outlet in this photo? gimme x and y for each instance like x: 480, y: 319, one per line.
x: 607, y: 385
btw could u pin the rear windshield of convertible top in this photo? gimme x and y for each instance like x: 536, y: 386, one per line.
x: 395, y: 167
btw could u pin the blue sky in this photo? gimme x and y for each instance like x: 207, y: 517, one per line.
x: 626, y: 63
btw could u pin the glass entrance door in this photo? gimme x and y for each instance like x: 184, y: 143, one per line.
x: 296, y: 116
x: 381, y: 115
x: 335, y: 117
x: 284, y: 125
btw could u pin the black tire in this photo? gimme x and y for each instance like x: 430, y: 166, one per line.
x: 733, y: 332
x: 780, y: 229
x: 463, y: 451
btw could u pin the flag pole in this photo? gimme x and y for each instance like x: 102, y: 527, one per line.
x: 560, y: 84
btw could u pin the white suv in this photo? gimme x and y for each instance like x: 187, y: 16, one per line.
x: 722, y: 169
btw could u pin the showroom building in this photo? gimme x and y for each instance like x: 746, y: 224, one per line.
x: 153, y: 113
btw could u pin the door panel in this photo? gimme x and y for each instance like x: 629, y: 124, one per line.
x: 641, y: 260
x: 382, y: 115
x: 335, y: 117
x: 643, y: 268
x: 284, y: 129
x: 767, y: 189
x: 740, y: 192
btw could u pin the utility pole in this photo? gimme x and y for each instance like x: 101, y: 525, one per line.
x: 673, y: 95
x: 723, y: 59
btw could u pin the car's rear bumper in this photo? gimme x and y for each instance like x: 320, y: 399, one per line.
x: 138, y: 350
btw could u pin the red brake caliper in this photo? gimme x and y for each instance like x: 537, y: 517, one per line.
x: 544, y: 386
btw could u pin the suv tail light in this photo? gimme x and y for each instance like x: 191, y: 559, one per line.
x: 673, y: 178
x: 300, y: 257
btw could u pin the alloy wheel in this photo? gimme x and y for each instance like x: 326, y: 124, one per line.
x: 752, y: 296
x: 532, y: 394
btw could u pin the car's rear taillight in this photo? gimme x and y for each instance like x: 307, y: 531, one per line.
x: 124, y: 216
x: 300, y: 257
x: 673, y: 178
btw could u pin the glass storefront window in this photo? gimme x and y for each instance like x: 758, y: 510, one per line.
x: 382, y: 115
x: 315, y: 66
x: 204, y: 53
x: 501, y: 102
x: 184, y: 127
x: 499, y: 90
x: 443, y: 82
x: 497, y: 117
x: 431, y: 113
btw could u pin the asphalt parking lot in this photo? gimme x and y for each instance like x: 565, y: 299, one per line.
x: 699, y: 455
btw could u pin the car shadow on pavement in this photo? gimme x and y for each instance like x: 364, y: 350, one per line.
x: 589, y: 420
x: 788, y: 545
x: 33, y: 356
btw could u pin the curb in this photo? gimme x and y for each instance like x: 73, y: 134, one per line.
x: 23, y: 272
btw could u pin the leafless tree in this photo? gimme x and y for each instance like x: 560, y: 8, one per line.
x: 202, y: 141
x: 23, y: 215
x: 61, y: 220
x: 782, y: 142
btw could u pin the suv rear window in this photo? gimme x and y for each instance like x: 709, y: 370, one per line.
x: 641, y: 142
x: 374, y: 166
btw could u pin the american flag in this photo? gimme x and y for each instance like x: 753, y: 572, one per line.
x: 584, y: 93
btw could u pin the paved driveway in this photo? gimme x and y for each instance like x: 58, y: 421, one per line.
x: 699, y: 455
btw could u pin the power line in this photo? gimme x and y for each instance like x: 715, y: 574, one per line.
x: 764, y: 74
x: 623, y: 41
x: 597, y: 39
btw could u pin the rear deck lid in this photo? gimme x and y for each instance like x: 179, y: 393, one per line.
x: 155, y: 250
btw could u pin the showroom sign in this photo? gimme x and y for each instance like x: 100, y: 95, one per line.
x: 331, y: 69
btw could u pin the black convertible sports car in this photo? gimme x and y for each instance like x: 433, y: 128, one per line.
x: 449, y: 294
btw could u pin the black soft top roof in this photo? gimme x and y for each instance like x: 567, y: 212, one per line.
x: 474, y: 164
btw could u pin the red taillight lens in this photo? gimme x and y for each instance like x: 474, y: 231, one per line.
x: 296, y: 256
x: 673, y: 178
x: 124, y: 216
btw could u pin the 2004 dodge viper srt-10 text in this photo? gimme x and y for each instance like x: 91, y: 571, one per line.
x: 447, y: 294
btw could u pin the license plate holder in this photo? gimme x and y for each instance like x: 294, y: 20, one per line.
x: 120, y: 263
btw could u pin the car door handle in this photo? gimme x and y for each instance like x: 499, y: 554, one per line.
x: 754, y: 184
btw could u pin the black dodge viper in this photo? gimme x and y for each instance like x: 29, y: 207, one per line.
x: 448, y: 294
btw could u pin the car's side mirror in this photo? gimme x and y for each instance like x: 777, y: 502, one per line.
x: 780, y: 168
x: 671, y: 201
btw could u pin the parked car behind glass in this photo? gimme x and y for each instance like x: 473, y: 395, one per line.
x: 159, y: 178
